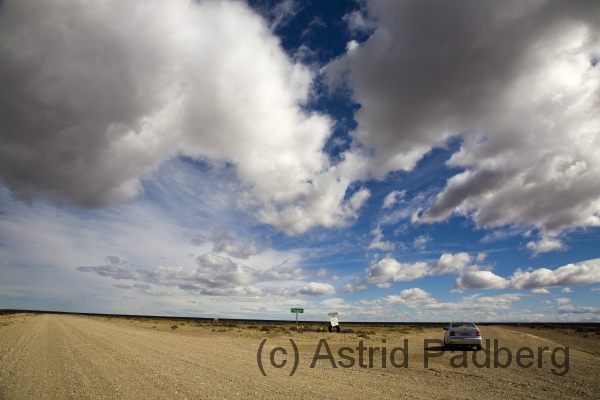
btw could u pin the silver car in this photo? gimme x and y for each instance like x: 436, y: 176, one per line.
x: 462, y: 334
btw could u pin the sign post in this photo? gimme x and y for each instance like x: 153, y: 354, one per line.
x: 297, y: 311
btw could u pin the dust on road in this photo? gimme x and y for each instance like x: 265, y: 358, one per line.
x: 69, y: 356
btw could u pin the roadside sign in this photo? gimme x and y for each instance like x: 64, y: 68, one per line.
x: 297, y: 311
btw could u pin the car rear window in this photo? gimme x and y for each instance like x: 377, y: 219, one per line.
x: 463, y: 325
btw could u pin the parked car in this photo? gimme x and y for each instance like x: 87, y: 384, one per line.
x: 462, y: 334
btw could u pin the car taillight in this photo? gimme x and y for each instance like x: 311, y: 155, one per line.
x: 478, y: 334
x: 451, y: 333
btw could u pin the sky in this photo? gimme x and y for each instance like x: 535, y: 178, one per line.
x: 388, y: 160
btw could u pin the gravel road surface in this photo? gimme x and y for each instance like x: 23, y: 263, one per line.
x: 69, y: 356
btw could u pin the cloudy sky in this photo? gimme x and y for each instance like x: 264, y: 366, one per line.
x: 389, y: 160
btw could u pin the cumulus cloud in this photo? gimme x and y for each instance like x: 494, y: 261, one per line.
x: 280, y: 272
x: 317, y: 289
x: 410, y: 297
x: 451, y: 264
x: 214, y: 275
x: 335, y: 303
x: 516, y: 82
x: 117, y: 88
x: 378, y: 243
x: 566, y: 290
x: 562, y: 301
x: 540, y: 291
x: 390, y: 269
x: 350, y: 288
x: 545, y: 244
x: 224, y: 243
x: 572, y: 274
x: 476, y: 279
x: 489, y: 303
x: 472, y: 275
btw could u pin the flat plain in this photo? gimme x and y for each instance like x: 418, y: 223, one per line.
x: 75, y: 356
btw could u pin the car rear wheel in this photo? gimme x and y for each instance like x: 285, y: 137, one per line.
x: 478, y: 347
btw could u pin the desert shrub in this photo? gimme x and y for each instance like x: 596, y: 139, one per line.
x: 174, y: 327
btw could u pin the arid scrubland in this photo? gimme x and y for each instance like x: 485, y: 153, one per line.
x: 74, y: 356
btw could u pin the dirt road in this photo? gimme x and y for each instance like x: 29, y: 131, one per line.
x: 62, y: 356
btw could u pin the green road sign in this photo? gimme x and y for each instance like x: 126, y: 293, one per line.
x: 298, y: 310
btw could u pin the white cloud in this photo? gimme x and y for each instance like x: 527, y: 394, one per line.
x: 523, y: 101
x: 421, y: 241
x: 597, y: 289
x: 474, y: 276
x: 350, y: 288
x: 410, y: 297
x: 540, y: 291
x: 566, y: 290
x: 545, y: 245
x: 451, y: 264
x: 475, y: 279
x: 358, y: 22
x: 388, y: 268
x: 335, y: 303
x: 572, y: 274
x: 393, y: 197
x: 578, y: 310
x: 224, y: 243
x: 214, y: 275
x: 562, y: 301
x: 129, y: 85
x: 317, y: 289
x: 491, y: 303
x: 282, y: 13
x: 378, y: 242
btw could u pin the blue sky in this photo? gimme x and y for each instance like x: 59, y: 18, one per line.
x: 392, y: 161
